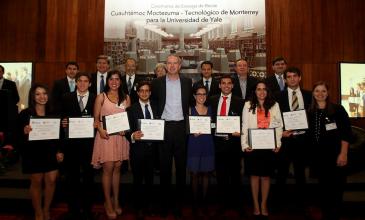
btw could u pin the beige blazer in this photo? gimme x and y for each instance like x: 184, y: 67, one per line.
x: 249, y: 120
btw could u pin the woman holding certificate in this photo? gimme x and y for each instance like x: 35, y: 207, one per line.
x: 200, y: 159
x: 330, y: 131
x: 110, y: 150
x: 261, y: 133
x: 39, y: 157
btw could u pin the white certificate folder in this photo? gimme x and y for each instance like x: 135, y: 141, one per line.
x: 295, y: 120
x: 152, y: 129
x: 262, y: 138
x: 82, y: 127
x: 200, y: 125
x: 115, y: 123
x: 44, y: 129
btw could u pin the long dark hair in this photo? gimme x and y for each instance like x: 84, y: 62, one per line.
x: 31, y: 99
x: 121, y: 94
x: 268, y: 102
x: 314, y: 105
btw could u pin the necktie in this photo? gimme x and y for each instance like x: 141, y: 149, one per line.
x: 72, y: 85
x: 294, y: 102
x: 281, y: 83
x: 224, y: 106
x: 81, y: 103
x: 129, y: 84
x: 207, y: 85
x: 102, y: 83
x: 147, y: 112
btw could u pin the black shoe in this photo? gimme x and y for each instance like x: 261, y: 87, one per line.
x: 140, y: 215
x: 177, y: 213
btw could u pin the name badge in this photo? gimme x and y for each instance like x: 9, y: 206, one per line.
x: 331, y: 126
x: 212, y: 125
x: 121, y: 106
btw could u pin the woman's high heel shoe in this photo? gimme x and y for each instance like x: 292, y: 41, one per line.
x: 118, y: 210
x: 110, y: 215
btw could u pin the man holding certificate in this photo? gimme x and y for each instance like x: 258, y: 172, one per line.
x: 295, y: 144
x: 77, y: 111
x: 227, y: 145
x: 261, y: 136
x: 141, y: 152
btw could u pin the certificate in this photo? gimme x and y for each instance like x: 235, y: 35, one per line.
x: 152, y: 129
x: 81, y: 127
x: 116, y: 123
x: 44, y: 129
x: 228, y: 124
x: 295, y: 120
x: 262, y: 138
x: 199, y: 125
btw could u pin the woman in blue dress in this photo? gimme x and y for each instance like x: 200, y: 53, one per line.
x: 200, y: 158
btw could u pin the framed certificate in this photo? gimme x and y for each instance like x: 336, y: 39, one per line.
x: 115, y: 123
x: 228, y: 124
x: 152, y: 129
x: 44, y: 129
x: 199, y: 125
x: 81, y: 127
x: 295, y: 120
x: 262, y: 138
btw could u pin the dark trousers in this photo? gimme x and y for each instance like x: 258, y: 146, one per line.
x: 79, y: 176
x: 142, y: 161
x: 228, y: 173
x: 173, y: 147
x: 293, y: 150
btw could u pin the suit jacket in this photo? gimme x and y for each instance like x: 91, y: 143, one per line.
x: 93, y: 86
x: 273, y: 85
x: 235, y: 109
x: 135, y: 112
x: 284, y: 99
x: 60, y: 87
x: 13, y: 91
x: 250, y: 121
x: 251, y: 83
x: 70, y: 105
x: 214, y: 87
x: 133, y: 94
x: 159, y: 94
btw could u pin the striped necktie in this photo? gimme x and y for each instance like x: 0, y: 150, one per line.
x: 294, y: 102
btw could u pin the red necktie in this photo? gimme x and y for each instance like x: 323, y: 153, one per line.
x: 224, y: 106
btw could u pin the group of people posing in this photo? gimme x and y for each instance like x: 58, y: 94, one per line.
x: 172, y: 97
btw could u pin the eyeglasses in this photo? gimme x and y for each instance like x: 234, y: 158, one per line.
x: 201, y: 94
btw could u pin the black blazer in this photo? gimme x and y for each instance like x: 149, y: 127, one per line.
x: 93, y: 86
x: 133, y: 94
x: 159, y: 94
x: 135, y: 112
x: 70, y: 105
x: 251, y: 83
x: 284, y: 99
x: 60, y: 87
x: 214, y: 86
x: 10, y: 86
x: 273, y: 85
x: 235, y: 109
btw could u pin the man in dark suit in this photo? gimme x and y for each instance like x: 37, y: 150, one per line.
x: 141, y: 152
x: 172, y: 94
x: 228, y: 146
x: 9, y: 86
x: 276, y: 82
x: 98, y: 79
x: 64, y: 85
x: 243, y: 84
x: 211, y: 84
x: 294, y: 143
x: 130, y: 80
x: 78, y: 152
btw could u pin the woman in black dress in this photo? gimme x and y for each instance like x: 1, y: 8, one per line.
x: 39, y: 158
x: 330, y: 131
